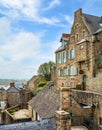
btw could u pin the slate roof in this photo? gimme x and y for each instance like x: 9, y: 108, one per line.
x: 61, y: 48
x: 93, y: 22
x: 46, y: 102
x: 47, y: 124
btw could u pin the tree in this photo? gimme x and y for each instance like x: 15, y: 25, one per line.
x: 44, y: 70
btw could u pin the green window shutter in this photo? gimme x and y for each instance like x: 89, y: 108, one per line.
x: 67, y: 71
x: 64, y: 57
x: 61, y: 72
x: 61, y: 57
x: 74, y: 52
x: 68, y: 54
x: 76, y: 71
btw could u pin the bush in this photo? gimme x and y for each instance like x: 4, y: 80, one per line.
x: 41, y: 84
x: 39, y: 89
x: 33, y: 94
x: 100, y: 65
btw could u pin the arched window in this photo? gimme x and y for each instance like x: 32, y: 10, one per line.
x: 73, y: 70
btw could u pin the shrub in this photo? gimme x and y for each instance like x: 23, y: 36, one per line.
x: 41, y: 84
x: 100, y: 65
x: 39, y: 89
x: 33, y: 94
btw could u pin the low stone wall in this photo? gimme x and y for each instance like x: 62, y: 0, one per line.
x: 86, y: 97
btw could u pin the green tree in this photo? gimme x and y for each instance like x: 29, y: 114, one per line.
x: 44, y: 70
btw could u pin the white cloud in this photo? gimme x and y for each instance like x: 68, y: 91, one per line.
x: 68, y: 19
x: 18, y: 51
x: 28, y: 10
x: 4, y: 29
x: 22, y: 52
x: 22, y: 46
x: 52, y: 4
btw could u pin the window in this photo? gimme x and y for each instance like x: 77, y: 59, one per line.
x: 73, y: 70
x: 73, y: 53
x: 64, y: 57
x: 67, y: 71
x: 64, y: 72
x: 59, y: 58
x: 64, y: 43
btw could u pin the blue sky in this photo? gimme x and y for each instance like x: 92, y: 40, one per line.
x: 30, y: 31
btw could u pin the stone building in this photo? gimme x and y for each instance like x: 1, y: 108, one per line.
x: 79, y: 74
x: 16, y: 94
x: 80, y: 55
x: 32, y: 83
x: 61, y: 60
x: 44, y: 104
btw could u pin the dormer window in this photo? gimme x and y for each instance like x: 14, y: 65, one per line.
x: 63, y: 43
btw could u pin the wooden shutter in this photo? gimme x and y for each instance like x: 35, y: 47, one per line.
x: 73, y: 53
x: 68, y: 54
x: 67, y: 71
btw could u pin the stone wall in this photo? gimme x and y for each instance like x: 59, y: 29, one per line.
x: 87, y: 98
x: 82, y: 105
x: 13, y: 98
x: 62, y: 120
x: 95, y: 83
x: 32, y: 83
x: 32, y: 113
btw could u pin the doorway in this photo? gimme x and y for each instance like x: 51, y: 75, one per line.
x: 84, y: 79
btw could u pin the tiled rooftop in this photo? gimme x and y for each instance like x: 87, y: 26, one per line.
x: 47, y: 124
x: 46, y: 102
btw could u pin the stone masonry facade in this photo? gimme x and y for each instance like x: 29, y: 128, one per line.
x: 79, y: 57
x: 79, y: 73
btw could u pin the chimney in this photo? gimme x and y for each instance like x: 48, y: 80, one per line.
x: 78, y: 13
x: 12, y: 84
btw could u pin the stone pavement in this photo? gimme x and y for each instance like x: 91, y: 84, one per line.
x: 46, y: 124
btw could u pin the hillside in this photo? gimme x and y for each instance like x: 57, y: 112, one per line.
x: 7, y: 81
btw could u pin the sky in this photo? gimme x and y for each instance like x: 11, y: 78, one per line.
x: 30, y: 32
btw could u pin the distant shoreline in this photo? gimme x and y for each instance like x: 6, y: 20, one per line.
x: 7, y: 81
